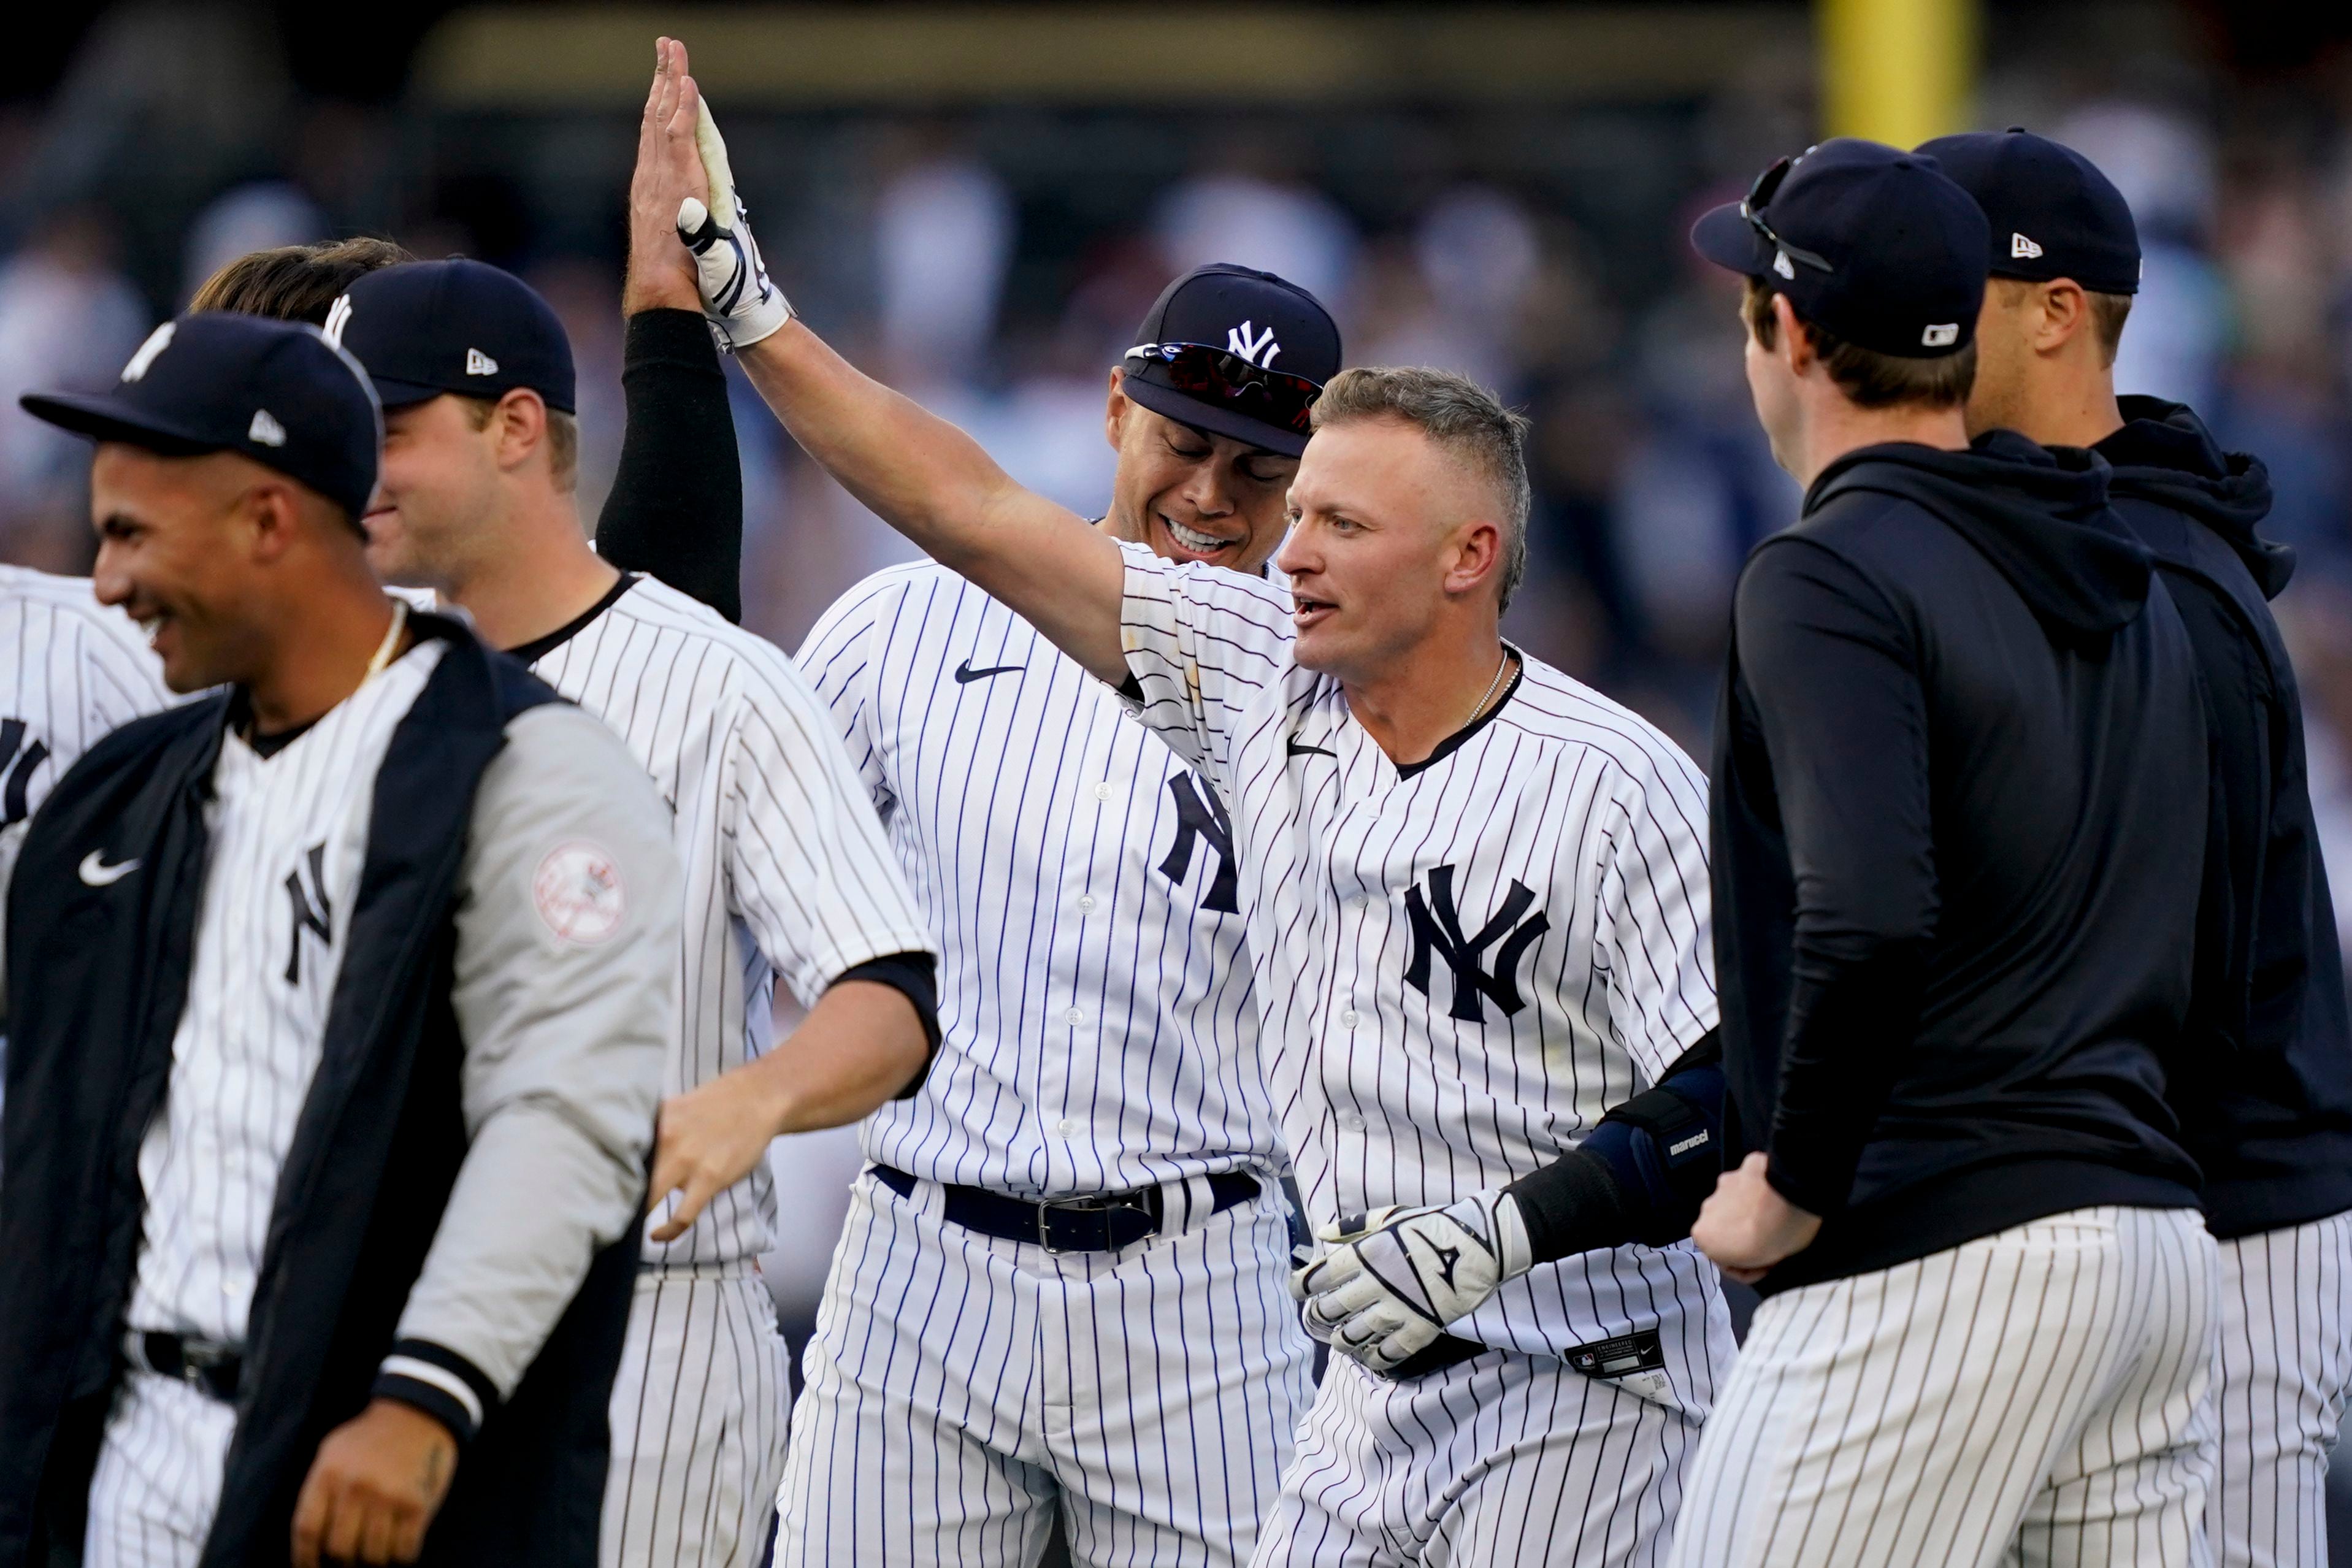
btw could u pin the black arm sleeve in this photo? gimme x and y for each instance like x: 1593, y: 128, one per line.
x: 914, y: 976
x: 1830, y: 666
x: 676, y: 506
x: 1642, y: 1174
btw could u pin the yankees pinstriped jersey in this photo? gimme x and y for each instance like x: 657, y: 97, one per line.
x: 1464, y: 963
x: 289, y: 835
x: 1099, y: 1031
x: 71, y: 669
x: 786, y: 870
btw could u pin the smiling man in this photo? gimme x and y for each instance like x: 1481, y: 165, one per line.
x: 1474, y: 893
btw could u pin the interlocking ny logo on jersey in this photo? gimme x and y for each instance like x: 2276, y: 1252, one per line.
x: 1239, y: 342
x: 312, y: 913
x: 17, y: 763
x: 1201, y: 815
x: 1437, y: 927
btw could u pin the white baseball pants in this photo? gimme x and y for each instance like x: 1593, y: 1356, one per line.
x: 2038, y: 1395
x: 699, y: 1412
x: 959, y: 1388
x: 2284, y: 1370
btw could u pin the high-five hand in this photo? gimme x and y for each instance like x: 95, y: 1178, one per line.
x: 736, y: 295
x: 661, y: 275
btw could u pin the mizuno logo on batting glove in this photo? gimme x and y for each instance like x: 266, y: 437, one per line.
x: 1394, y: 1277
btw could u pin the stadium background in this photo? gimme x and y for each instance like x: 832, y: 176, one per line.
x: 979, y: 200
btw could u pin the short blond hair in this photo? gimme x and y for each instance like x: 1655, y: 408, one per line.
x: 1459, y: 415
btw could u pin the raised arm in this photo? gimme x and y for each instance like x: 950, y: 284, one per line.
x: 676, y: 510
x: 919, y: 473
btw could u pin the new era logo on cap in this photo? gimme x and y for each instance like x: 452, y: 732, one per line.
x: 2022, y: 248
x: 478, y: 364
x: 265, y: 431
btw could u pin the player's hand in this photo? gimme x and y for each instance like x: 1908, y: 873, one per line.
x: 710, y: 1138
x: 661, y: 274
x: 738, y: 297
x: 374, y: 1487
x: 1394, y: 1277
x: 1747, y: 1227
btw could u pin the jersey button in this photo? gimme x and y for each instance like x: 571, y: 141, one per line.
x: 1352, y: 1120
x: 1086, y: 904
x: 1350, y: 1018
x: 1102, y: 791
x: 1075, y: 1015
x: 1067, y: 1127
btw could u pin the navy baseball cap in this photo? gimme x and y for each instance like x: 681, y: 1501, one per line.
x: 276, y: 391
x: 1237, y: 353
x: 426, y: 328
x: 1868, y: 242
x: 2053, y: 214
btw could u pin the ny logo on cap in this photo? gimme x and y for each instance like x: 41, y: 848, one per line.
x: 265, y: 431
x: 2022, y: 248
x: 1239, y: 342
x: 157, y: 341
x: 337, y: 315
x: 478, y: 364
x: 1941, y: 337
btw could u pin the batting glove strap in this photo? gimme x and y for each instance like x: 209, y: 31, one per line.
x: 1396, y: 1276
x: 738, y: 299
x: 439, y: 1381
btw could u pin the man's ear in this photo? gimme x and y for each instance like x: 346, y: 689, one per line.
x: 272, y: 517
x: 2066, y: 314
x: 519, y: 423
x: 1794, y: 345
x: 1478, y: 554
x: 1118, y: 409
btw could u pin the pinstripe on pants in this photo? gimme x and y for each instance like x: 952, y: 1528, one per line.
x: 699, y: 1412
x: 1507, y: 1458
x: 2284, y: 1369
x: 2038, y: 1395
x: 157, y: 1483
x: 959, y: 1387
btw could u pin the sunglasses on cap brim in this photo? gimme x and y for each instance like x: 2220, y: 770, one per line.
x: 1751, y: 207
x: 1219, y: 375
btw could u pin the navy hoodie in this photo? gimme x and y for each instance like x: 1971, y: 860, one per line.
x: 2270, y: 1122
x: 1959, y: 815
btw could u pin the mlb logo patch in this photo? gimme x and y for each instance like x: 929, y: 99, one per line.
x: 1941, y: 335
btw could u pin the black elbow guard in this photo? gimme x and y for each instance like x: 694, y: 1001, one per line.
x: 1670, y: 1150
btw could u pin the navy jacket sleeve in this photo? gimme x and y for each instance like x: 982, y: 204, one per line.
x: 1834, y: 685
x: 676, y: 510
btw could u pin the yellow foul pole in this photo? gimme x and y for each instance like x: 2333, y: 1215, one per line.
x: 1898, y: 71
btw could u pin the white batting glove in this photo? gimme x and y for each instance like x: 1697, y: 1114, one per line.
x: 1394, y: 1277
x: 738, y: 297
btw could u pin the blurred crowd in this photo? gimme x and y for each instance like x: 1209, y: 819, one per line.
x: 993, y: 267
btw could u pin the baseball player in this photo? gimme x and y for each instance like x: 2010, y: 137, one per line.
x: 1092, y: 1167
x: 787, y: 871
x: 1959, y: 825
x: 2270, y: 1124
x: 306, y: 981
x: 295, y: 282
x: 1475, y: 896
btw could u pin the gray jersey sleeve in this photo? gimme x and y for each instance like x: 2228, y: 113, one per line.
x: 566, y: 981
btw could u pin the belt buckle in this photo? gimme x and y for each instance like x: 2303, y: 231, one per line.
x: 1101, y: 1209
x: 199, y: 1359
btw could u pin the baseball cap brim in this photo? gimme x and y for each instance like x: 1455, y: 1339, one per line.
x: 1729, y: 240
x: 393, y: 392
x: 108, y: 419
x: 1170, y: 404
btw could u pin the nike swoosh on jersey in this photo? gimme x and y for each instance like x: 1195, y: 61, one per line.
x: 1292, y: 748
x: 965, y: 675
x: 96, y: 873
